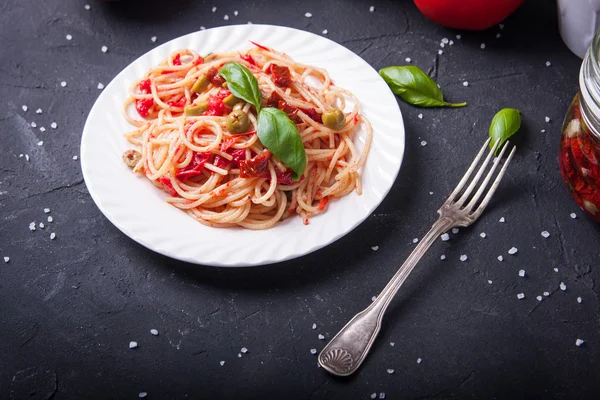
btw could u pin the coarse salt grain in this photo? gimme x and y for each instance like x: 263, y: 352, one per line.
x: 419, y: 360
x: 458, y: 37
x: 547, y: 119
x: 53, y: 125
x: 463, y: 257
x: 522, y: 273
x: 562, y: 286
x: 313, y: 351
x: 214, y: 9
x: 482, y: 46
x: 512, y: 250
x: 579, y: 300
x: 440, y: 52
x: 407, y: 59
x: 133, y: 345
x: 52, y: 236
x: 33, y: 125
x: 222, y: 363
x: 87, y: 7
x: 374, y: 248
x: 372, y: 8
x: 325, y: 32
x: 239, y: 355
x: 46, y: 210
x: 545, y: 234
x: 40, y: 143
x: 202, y: 28
x: 382, y: 395
x: 501, y: 26
x: 42, y: 129
x: 579, y: 342
x: 489, y: 281
x: 546, y: 294
x: 141, y: 395
x: 423, y: 143
x: 32, y: 226
x: 374, y: 395
x: 420, y: 116
x: 244, y: 350
x: 104, y: 49
x: 154, y: 332
x: 236, y: 13
x: 392, y: 344
x: 153, y: 39
x: 445, y: 40
x: 455, y: 230
x: 416, y: 240
x: 548, y: 63
x: 445, y: 237
x: 442, y: 45
x: 451, y: 43
x: 6, y: 259
x: 314, y: 326
x: 498, y: 35
x: 100, y: 86
x: 573, y: 215
x: 50, y: 219
x: 38, y: 111
x: 24, y: 108
x: 321, y: 337
x: 539, y: 298
x: 390, y: 371
x: 27, y: 157
x: 308, y: 15
x: 443, y: 257
x: 373, y: 298
x: 75, y: 158
x: 41, y: 225
x: 69, y: 37
x: 465, y: 83
x: 520, y: 296
x: 63, y: 84
x: 483, y: 235
x: 226, y: 17
x: 501, y: 219
x: 500, y: 258
x: 555, y: 269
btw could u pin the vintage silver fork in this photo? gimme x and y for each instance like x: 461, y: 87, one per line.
x: 347, y: 350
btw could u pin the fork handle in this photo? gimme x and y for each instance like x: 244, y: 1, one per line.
x: 348, y: 349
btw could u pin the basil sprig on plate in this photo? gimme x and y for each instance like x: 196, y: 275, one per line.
x: 415, y: 87
x: 504, y: 124
x: 279, y: 134
x: 276, y: 131
x: 242, y: 83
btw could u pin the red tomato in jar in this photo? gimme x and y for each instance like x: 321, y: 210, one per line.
x: 473, y: 15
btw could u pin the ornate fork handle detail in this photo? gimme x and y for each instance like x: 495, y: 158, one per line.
x: 347, y: 350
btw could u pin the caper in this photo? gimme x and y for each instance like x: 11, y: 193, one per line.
x: 195, y: 110
x: 200, y: 84
x: 334, y: 119
x: 131, y: 157
x: 231, y: 100
x: 238, y: 122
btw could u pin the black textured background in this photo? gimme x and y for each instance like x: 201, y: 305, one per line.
x: 69, y: 307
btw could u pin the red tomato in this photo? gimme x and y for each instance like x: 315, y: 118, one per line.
x: 471, y: 15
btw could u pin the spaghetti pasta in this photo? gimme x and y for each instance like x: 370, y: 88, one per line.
x: 187, y: 141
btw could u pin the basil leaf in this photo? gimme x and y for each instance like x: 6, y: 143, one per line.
x: 504, y: 124
x: 278, y: 133
x: 415, y: 87
x: 242, y: 83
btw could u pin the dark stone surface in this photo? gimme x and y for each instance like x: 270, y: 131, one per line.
x: 69, y: 307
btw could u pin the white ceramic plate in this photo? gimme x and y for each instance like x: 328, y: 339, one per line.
x: 138, y: 209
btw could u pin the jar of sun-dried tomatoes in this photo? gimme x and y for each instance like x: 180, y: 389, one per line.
x: 580, y: 144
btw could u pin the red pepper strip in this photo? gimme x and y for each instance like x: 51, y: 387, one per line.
x: 220, y: 162
x: 143, y: 106
x: 166, y: 182
x: 313, y: 114
x: 323, y: 203
x: 281, y: 75
x: 177, y: 60
x: 199, y: 61
x: 179, y: 103
x: 284, y: 178
x: 255, y: 167
x: 215, y: 104
x: 238, y: 155
x: 213, y: 77
x: 260, y: 46
x: 248, y: 58
x: 195, y: 167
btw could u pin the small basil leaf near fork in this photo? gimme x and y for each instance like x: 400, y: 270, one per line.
x: 415, y: 87
x: 242, y: 83
x: 278, y: 133
x: 504, y: 124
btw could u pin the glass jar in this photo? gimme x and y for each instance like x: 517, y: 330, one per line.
x: 580, y: 144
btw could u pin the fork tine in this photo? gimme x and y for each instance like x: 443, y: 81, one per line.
x: 475, y: 179
x: 468, y: 173
x: 485, y: 182
x: 494, y: 186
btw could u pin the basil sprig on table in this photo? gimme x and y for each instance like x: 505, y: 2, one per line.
x: 242, y: 83
x: 505, y: 123
x: 415, y: 87
x: 276, y: 131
